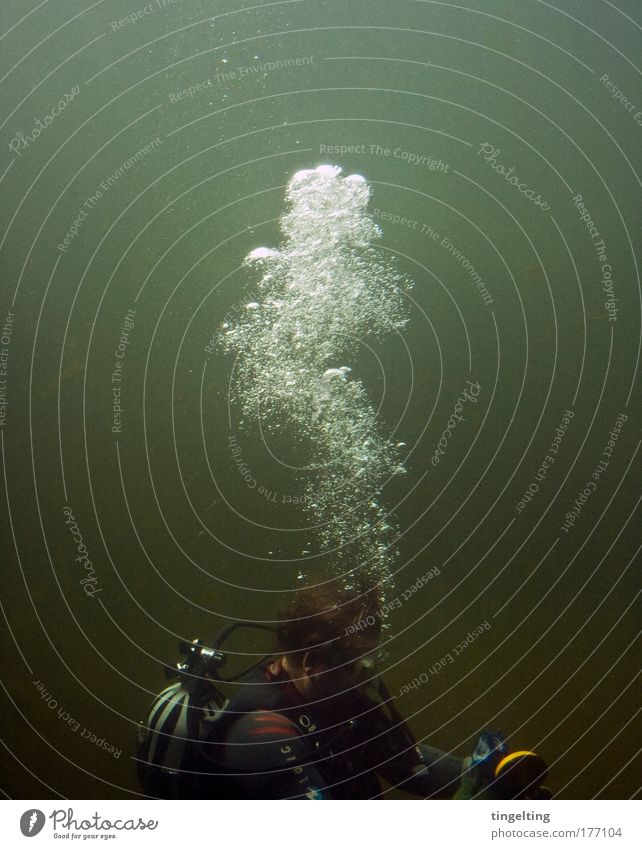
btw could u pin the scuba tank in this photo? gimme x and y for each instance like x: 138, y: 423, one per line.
x: 168, y: 760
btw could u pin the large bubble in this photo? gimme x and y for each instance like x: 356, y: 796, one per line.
x: 319, y: 297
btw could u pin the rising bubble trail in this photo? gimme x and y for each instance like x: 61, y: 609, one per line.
x: 323, y: 294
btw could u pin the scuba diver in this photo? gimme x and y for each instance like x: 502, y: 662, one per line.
x: 311, y: 721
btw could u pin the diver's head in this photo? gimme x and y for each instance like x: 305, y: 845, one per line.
x: 328, y: 640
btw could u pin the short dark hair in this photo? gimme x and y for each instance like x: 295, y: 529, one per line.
x: 320, y: 620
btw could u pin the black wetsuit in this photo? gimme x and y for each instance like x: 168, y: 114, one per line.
x: 272, y: 745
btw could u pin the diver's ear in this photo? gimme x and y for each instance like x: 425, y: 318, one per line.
x: 307, y: 664
x: 311, y: 663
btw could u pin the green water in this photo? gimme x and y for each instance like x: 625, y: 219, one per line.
x: 166, y: 166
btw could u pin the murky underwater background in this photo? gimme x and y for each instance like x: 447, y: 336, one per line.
x: 158, y: 480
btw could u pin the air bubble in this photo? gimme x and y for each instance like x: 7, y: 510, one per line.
x: 329, y: 170
x: 261, y: 254
x: 301, y: 175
